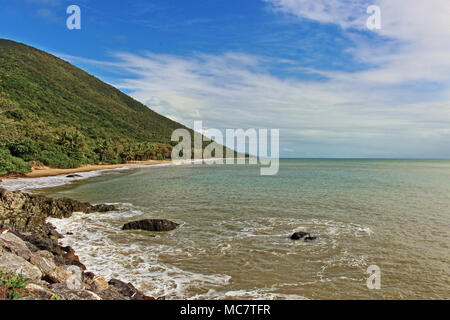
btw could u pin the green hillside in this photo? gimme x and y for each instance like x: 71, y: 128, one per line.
x: 55, y: 114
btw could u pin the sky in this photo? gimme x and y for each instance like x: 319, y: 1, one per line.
x: 311, y: 68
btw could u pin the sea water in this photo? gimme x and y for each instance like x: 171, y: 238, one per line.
x: 233, y: 241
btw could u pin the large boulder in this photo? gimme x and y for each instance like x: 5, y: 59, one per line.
x: 66, y: 274
x: 151, y: 225
x: 62, y: 255
x: 40, y: 290
x: 45, y: 261
x: 66, y: 293
x: 28, y: 212
x: 10, y: 263
x: 14, y: 244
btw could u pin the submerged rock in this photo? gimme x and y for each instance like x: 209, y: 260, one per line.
x: 302, y: 235
x: 73, y: 176
x: 298, y: 235
x: 151, y: 225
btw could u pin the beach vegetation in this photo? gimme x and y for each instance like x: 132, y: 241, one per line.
x: 54, y: 114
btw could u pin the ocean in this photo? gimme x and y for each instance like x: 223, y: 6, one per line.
x: 233, y: 242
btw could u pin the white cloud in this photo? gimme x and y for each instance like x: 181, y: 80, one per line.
x: 346, y: 13
x: 331, y: 118
x: 419, y: 31
x: 383, y: 111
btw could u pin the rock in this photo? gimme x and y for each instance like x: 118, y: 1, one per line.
x: 29, y: 298
x: 298, y: 235
x: 112, y: 294
x: 301, y: 234
x: 40, y: 291
x: 10, y: 263
x: 99, y: 284
x: 29, y: 246
x: 88, y: 276
x: 43, y: 243
x: 70, y: 294
x: 61, y: 274
x: 44, y: 260
x: 14, y: 244
x: 28, y: 212
x: 126, y: 289
x: 151, y: 225
x: 73, y: 176
x: 70, y: 258
x: 62, y: 255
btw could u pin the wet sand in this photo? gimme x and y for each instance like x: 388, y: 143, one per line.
x: 39, y: 172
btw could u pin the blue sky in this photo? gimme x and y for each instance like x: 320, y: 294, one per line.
x: 310, y: 68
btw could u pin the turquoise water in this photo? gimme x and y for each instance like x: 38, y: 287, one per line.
x: 234, y: 238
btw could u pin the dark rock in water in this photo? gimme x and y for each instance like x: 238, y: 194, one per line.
x: 302, y: 235
x: 128, y: 290
x: 151, y: 225
x: 73, y: 176
x: 299, y: 235
x: 309, y: 238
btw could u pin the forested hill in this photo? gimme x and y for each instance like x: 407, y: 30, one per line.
x: 55, y: 114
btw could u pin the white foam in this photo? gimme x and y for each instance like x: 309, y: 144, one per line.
x: 100, y: 243
x: 24, y: 184
x: 44, y: 182
x: 254, y: 294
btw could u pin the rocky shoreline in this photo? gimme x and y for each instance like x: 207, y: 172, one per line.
x: 34, y: 266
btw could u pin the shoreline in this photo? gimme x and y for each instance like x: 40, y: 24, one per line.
x: 42, y: 172
x: 30, y: 246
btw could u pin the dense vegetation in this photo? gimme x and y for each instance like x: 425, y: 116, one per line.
x: 55, y: 114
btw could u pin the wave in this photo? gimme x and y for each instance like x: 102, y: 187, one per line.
x: 24, y: 184
x: 158, y: 267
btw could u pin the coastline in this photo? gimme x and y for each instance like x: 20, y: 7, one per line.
x: 42, y: 172
x: 30, y: 252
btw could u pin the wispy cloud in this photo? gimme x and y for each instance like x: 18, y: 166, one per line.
x: 322, y: 118
x: 418, y: 31
x: 399, y: 107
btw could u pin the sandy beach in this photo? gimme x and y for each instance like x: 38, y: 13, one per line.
x: 44, y: 171
x: 39, y: 172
